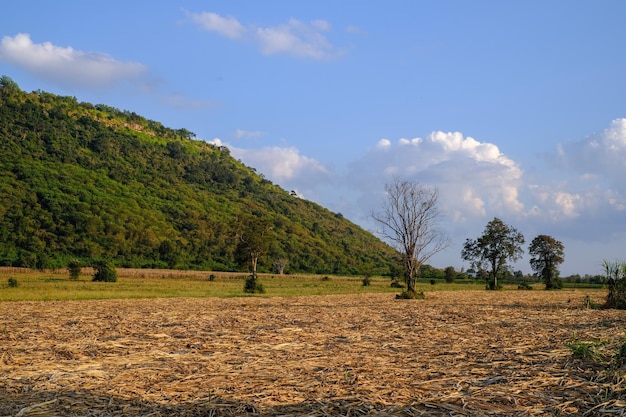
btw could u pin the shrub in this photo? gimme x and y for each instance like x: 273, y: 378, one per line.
x: 13, y: 283
x: 73, y: 267
x: 396, y: 284
x: 326, y: 278
x: 433, y: 282
x: 211, y: 277
x: 585, y: 350
x: 252, y: 286
x: 404, y: 295
x: 366, y: 282
x: 524, y: 286
x: 104, y: 272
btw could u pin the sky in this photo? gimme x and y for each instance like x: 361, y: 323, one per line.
x: 511, y: 109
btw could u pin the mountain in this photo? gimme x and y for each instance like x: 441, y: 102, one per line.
x: 92, y: 182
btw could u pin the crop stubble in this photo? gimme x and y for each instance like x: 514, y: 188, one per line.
x: 455, y: 353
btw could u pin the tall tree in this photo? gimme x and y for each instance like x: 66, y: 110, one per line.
x: 491, y: 252
x: 547, y: 254
x: 253, y: 241
x: 410, y: 220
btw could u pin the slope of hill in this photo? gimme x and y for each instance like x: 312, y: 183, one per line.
x: 90, y: 182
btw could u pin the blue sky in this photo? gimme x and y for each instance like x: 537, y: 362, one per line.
x: 515, y: 110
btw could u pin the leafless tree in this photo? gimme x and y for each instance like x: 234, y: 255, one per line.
x: 409, y: 220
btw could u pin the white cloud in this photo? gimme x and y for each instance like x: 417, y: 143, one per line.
x: 225, y: 26
x: 65, y: 65
x: 600, y: 155
x: 283, y: 165
x: 180, y: 101
x: 247, y: 134
x: 472, y: 177
x: 295, y: 38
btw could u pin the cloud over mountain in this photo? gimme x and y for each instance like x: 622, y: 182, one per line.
x: 66, y: 66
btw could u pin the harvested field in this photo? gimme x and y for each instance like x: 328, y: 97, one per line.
x: 456, y: 353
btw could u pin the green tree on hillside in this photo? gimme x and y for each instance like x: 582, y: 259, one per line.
x: 409, y: 220
x: 253, y: 241
x: 491, y: 252
x: 547, y: 254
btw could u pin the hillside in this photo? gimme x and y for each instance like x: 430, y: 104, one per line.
x: 92, y: 182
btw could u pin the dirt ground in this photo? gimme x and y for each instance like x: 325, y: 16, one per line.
x: 455, y: 353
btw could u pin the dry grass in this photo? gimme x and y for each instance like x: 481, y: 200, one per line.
x: 456, y: 353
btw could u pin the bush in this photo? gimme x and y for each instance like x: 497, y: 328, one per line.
x: 104, y: 272
x: 252, y: 286
x: 13, y: 283
x: 396, y: 284
x: 404, y: 295
x: 211, y: 277
x: 367, y: 281
x: 326, y: 278
x: 524, y: 286
x: 73, y: 267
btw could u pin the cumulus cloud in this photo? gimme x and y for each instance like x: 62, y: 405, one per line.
x: 472, y: 177
x: 588, y: 186
x: 65, y: 65
x: 285, y: 166
x: 295, y: 38
x: 600, y: 155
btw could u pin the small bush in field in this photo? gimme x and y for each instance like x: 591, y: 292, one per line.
x: 104, y: 272
x: 252, y: 286
x: 211, y: 277
x: 326, y: 278
x: 396, y: 284
x: 404, y: 295
x: 13, y: 283
x: 366, y: 282
x: 524, y: 286
x: 73, y: 267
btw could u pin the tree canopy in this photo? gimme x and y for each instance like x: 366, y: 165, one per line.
x: 491, y: 252
x: 547, y: 254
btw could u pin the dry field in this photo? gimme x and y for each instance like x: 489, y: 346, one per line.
x: 457, y: 353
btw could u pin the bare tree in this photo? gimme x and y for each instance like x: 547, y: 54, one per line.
x: 409, y: 220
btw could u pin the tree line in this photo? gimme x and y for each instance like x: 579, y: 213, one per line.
x: 410, y: 220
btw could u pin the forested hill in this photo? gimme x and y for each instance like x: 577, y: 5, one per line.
x: 92, y: 182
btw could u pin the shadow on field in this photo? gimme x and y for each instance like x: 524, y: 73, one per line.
x: 86, y: 403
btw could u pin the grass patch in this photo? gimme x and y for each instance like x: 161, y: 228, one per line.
x: 143, y: 283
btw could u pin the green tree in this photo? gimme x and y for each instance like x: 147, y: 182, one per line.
x: 547, y: 254
x: 491, y: 252
x: 253, y: 241
x: 7, y: 84
x: 449, y: 274
x: 409, y: 220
